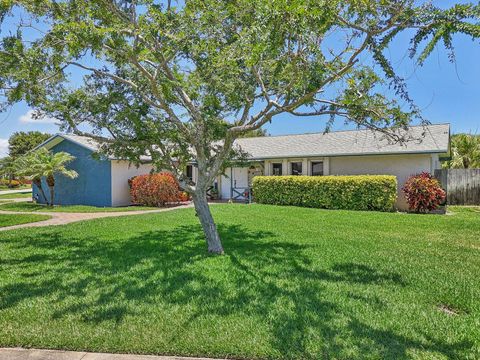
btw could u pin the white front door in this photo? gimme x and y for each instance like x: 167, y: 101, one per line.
x: 236, y: 177
x: 240, y: 177
x: 225, y: 185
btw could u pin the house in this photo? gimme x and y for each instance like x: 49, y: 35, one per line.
x: 350, y: 152
x: 104, y: 182
x: 101, y: 181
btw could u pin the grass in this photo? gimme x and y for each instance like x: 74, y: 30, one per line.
x: 294, y: 284
x: 25, y: 195
x: 464, y: 209
x: 16, y: 219
x: 32, y: 207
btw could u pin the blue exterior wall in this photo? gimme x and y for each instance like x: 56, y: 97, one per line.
x: 93, y: 186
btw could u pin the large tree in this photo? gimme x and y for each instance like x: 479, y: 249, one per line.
x: 182, y: 81
x: 22, y: 142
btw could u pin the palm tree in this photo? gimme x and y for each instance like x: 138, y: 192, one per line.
x: 46, y: 164
x: 25, y: 165
x: 465, y: 152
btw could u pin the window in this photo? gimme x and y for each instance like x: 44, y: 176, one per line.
x: 190, y: 172
x: 296, y: 168
x: 317, y: 168
x: 277, y: 169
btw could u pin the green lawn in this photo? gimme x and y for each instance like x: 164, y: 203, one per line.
x: 32, y: 207
x: 294, y: 284
x: 26, y: 195
x: 16, y: 219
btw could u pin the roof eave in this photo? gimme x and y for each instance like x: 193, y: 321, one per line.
x: 49, y: 140
x: 441, y: 151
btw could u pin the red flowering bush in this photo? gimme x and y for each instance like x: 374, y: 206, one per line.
x: 155, y: 190
x: 184, y: 196
x: 423, y: 192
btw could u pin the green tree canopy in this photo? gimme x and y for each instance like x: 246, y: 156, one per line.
x: 464, y: 152
x: 22, y: 142
x: 8, y: 168
x: 254, y: 133
x: 183, y: 82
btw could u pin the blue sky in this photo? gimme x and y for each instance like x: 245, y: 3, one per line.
x: 446, y: 93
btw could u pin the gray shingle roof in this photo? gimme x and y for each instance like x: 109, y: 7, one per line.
x: 423, y: 139
x: 84, y: 141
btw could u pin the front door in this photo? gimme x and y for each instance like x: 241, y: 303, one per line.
x: 240, y: 183
x: 236, y: 178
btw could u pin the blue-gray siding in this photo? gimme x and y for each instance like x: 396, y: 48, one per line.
x: 91, y: 187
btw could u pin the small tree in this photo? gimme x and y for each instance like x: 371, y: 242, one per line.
x: 423, y: 192
x: 46, y: 164
x: 182, y: 83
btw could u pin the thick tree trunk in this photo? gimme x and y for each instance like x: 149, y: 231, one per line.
x: 51, y: 185
x: 52, y: 195
x: 10, y: 180
x: 40, y: 187
x: 208, y: 224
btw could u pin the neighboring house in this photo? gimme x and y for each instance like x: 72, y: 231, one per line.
x: 352, y: 152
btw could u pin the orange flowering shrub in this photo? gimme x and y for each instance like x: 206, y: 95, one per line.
x: 184, y: 196
x: 155, y: 189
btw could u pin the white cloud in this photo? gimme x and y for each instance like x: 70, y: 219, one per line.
x: 3, y: 148
x: 28, y: 118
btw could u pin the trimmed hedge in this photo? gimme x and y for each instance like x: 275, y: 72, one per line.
x: 360, y: 192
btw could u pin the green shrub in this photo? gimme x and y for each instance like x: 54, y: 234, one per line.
x: 10, y: 183
x: 362, y: 192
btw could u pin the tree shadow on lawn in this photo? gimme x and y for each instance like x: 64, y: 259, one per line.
x: 271, y: 280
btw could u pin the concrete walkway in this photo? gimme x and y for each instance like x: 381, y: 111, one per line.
x: 62, y: 218
x: 3, y: 201
x: 34, y: 354
x: 5, y: 192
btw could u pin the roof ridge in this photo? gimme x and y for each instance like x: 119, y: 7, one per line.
x: 335, y: 132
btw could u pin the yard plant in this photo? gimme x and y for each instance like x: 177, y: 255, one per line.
x: 465, y: 152
x: 181, y: 81
x: 423, y: 192
x: 10, y: 184
x: 155, y: 189
x: 362, y: 192
x: 43, y: 164
x: 295, y: 283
